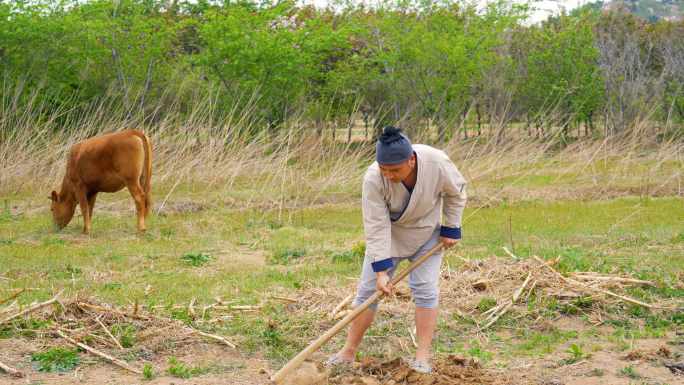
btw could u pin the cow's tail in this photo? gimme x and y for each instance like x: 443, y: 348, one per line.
x: 147, y: 144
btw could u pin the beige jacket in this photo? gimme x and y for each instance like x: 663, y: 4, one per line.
x: 397, y: 222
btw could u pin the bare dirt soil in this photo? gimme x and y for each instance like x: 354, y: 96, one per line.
x: 454, y: 370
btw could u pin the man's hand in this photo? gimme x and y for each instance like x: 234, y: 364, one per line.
x: 383, y: 280
x: 448, y: 242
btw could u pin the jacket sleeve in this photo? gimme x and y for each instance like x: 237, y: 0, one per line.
x: 453, y: 200
x: 376, y: 224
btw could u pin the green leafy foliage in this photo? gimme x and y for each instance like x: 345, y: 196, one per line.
x: 346, y: 257
x: 125, y: 334
x: 182, y: 370
x: 195, y: 260
x: 629, y: 372
x: 359, y: 249
x: 485, y: 304
x: 577, y: 353
x: 286, y: 256
x: 55, y: 360
x: 148, y: 372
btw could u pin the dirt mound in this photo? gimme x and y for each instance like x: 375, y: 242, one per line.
x: 454, y: 370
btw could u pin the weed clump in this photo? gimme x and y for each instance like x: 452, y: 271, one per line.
x: 195, y: 260
x: 286, y: 257
x: 182, y: 370
x: 55, y: 360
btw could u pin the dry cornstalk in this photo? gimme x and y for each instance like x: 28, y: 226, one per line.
x: 627, y: 299
x: 99, y: 308
x: 413, y: 338
x: 494, y: 310
x: 135, y: 307
x: 286, y: 299
x: 11, y: 371
x: 13, y: 296
x: 515, y: 298
x: 30, y: 310
x: 340, y: 306
x: 341, y: 314
x: 481, y: 284
x: 551, y: 269
x: 219, y: 338
x: 110, y: 334
x: 583, y: 277
x: 9, y: 308
x: 238, y: 307
x: 509, y: 253
x: 191, y: 309
x: 529, y: 292
x: 115, y: 361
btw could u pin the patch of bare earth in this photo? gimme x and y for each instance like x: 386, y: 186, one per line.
x: 455, y: 369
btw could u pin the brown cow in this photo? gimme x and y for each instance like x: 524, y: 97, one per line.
x: 105, y: 164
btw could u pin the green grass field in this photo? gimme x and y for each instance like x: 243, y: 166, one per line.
x: 195, y: 247
x: 248, y: 257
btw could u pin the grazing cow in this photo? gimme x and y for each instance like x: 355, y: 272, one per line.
x: 105, y: 164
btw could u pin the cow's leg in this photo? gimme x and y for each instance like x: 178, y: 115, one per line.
x: 139, y: 197
x: 91, y: 204
x: 83, y: 203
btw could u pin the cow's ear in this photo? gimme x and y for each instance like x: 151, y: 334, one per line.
x: 54, y: 196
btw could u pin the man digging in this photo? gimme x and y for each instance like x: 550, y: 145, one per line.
x: 404, y: 193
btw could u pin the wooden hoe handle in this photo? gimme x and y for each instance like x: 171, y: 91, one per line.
x: 290, y: 366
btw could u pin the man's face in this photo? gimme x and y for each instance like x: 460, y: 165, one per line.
x: 398, y: 172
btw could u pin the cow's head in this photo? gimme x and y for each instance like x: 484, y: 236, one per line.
x: 62, y: 209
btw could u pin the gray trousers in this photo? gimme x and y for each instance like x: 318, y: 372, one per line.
x: 423, y: 281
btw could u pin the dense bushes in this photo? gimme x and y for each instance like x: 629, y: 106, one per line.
x: 434, y: 67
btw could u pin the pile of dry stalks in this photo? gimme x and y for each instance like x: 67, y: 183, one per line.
x: 87, y: 323
x: 506, y: 281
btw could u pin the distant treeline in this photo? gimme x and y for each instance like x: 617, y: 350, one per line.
x: 444, y: 66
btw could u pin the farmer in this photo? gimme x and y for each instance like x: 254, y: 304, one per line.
x: 404, y: 194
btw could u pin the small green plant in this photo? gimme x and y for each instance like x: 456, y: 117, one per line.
x: 148, y: 373
x: 345, y: 257
x: 286, y: 257
x: 182, y: 370
x: 6, y: 241
x: 69, y: 272
x: 629, y: 372
x: 126, y: 334
x: 596, y: 372
x: 56, y: 360
x: 480, y: 353
x: 249, y: 223
x: 274, y: 225
x: 194, y: 259
x: 51, y: 241
x: 359, y: 249
x: 577, y: 353
x: 678, y: 238
x: 112, y: 286
x: 6, y: 212
x: 272, y: 337
x: 485, y: 304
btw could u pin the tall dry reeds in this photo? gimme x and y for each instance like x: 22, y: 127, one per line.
x: 293, y: 168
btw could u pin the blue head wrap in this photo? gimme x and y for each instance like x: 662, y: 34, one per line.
x: 393, y: 147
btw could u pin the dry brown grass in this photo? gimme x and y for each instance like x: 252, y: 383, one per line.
x: 292, y: 168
